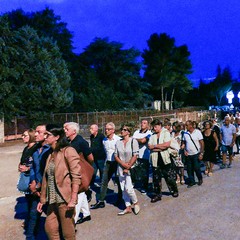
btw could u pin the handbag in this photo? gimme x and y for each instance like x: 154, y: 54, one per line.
x: 23, y: 182
x: 87, y: 171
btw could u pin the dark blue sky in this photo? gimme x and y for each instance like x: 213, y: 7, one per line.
x: 210, y: 28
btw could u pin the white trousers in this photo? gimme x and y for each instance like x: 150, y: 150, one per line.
x: 82, y: 206
x: 128, y: 192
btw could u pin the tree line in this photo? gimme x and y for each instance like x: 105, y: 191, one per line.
x: 40, y: 74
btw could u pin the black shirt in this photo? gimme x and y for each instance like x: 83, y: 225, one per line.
x: 26, y: 158
x: 81, y: 146
x: 97, y: 147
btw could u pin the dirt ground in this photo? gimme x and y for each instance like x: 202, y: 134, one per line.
x: 207, y: 212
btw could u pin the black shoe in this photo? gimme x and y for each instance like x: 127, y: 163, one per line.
x: 200, y: 182
x: 98, y: 205
x: 82, y: 220
x: 175, y: 194
x: 156, y: 199
x: 191, y: 185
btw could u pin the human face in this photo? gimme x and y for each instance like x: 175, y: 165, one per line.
x: 69, y: 132
x: 109, y: 130
x: 51, y: 139
x: 124, y: 131
x: 144, y: 125
x: 157, y: 128
x: 25, y: 137
x: 207, y: 125
x: 227, y: 121
x: 93, y: 130
x: 39, y: 133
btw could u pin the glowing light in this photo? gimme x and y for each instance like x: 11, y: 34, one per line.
x: 230, y: 96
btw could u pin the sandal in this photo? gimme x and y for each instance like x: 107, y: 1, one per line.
x: 182, y: 182
x: 124, y: 212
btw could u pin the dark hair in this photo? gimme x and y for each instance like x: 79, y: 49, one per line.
x: 178, y: 127
x: 210, y: 123
x: 156, y: 122
x: 57, y: 130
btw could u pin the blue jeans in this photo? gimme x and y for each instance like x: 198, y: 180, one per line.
x: 193, y: 165
x: 33, y: 218
x: 98, y: 165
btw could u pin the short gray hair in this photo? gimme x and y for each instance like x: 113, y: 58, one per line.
x: 111, y: 124
x: 73, y: 125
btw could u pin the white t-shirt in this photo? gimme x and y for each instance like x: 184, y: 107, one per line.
x: 196, y: 137
x: 144, y: 152
x: 109, y: 146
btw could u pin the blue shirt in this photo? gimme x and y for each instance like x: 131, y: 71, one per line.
x: 227, y: 134
x: 39, y: 162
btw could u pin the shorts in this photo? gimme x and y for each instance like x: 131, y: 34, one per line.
x: 226, y: 149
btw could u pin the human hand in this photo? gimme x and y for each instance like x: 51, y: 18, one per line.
x: 39, y: 207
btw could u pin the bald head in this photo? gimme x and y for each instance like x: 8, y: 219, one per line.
x: 94, y: 129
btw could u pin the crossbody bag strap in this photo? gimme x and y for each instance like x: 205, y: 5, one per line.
x: 192, y: 140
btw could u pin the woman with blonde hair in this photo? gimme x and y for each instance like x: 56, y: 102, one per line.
x: 126, y: 154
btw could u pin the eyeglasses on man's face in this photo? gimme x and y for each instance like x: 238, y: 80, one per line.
x: 108, y: 129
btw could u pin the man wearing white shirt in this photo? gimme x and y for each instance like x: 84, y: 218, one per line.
x: 194, y: 149
x: 142, y: 136
x: 110, y: 167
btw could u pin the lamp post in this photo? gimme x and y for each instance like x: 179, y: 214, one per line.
x: 238, y: 97
x: 230, y: 96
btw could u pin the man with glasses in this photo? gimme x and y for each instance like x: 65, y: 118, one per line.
x: 110, y: 167
x: 36, y: 174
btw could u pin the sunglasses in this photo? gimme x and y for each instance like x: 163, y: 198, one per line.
x: 125, y: 130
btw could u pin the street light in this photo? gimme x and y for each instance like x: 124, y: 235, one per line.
x: 239, y: 96
x: 230, y: 96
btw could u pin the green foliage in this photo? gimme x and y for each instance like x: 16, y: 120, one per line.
x: 47, y: 24
x: 109, y: 77
x: 33, y: 76
x: 166, y: 67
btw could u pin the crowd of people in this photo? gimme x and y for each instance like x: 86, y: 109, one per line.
x: 163, y: 149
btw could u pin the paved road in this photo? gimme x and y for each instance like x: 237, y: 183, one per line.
x: 207, y: 212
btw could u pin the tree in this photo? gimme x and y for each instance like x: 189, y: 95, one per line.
x: 34, y: 79
x: 109, y: 77
x: 47, y: 24
x: 221, y: 84
x: 166, y: 67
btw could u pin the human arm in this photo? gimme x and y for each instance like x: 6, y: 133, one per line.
x: 72, y: 159
x: 216, y: 141
x: 201, y: 142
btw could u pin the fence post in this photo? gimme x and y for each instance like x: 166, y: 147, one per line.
x: 2, y: 130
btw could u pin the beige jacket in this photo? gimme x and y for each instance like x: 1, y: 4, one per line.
x: 164, y: 137
x: 65, y: 175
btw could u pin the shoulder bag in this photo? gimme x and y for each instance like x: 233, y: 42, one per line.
x: 23, y: 182
x: 87, y: 171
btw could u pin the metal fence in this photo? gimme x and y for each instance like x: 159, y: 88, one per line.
x: 14, y: 129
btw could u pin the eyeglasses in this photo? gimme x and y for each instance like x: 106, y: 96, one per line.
x: 125, y: 130
x: 108, y: 129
